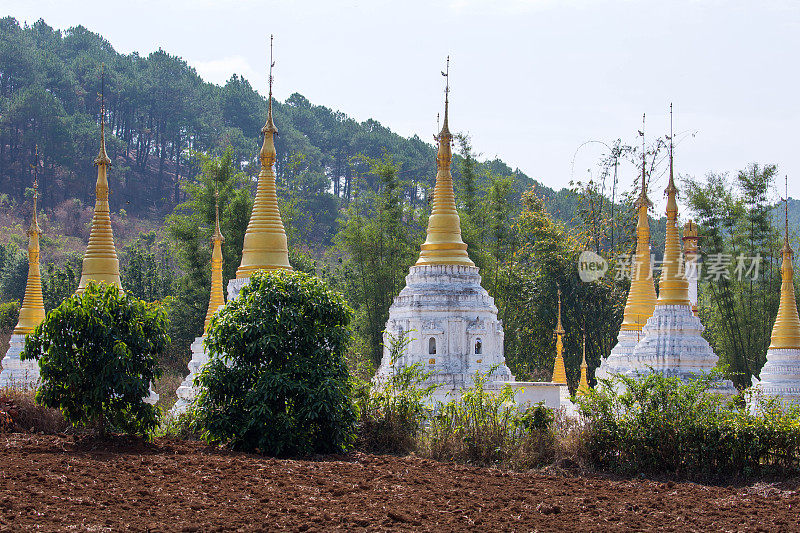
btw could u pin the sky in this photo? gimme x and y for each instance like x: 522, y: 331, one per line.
x: 531, y: 80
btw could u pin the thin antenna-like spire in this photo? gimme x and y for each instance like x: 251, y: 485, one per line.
x: 671, y: 187
x: 786, y: 209
x: 446, y: 74
x: 34, y: 222
x: 102, y: 157
x: 271, y: 64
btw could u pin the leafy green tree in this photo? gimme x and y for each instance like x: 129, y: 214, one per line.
x: 191, y: 226
x: 277, y: 381
x: 738, y: 308
x: 147, y: 270
x: 60, y: 281
x: 378, y: 242
x: 98, y: 353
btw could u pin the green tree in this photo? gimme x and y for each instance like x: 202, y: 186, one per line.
x: 147, y: 270
x: 277, y: 381
x: 191, y: 226
x: 98, y: 353
x: 378, y: 241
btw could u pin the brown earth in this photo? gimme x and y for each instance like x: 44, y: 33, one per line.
x: 58, y: 483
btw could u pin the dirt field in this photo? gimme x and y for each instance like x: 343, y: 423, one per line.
x: 55, y: 483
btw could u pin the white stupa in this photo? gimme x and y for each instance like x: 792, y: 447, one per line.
x: 672, y: 342
x: 443, y: 311
x: 780, y: 375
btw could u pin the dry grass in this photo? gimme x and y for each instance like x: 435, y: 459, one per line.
x: 27, y: 415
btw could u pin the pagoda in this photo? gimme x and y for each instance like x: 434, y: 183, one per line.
x: 186, y: 391
x: 265, y: 246
x: 642, y: 294
x: 672, y: 342
x: 583, y: 384
x: 15, y: 372
x: 443, y: 311
x: 780, y: 375
x: 100, y: 262
x: 559, y: 371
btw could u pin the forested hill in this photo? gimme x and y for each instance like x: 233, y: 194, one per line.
x: 158, y: 111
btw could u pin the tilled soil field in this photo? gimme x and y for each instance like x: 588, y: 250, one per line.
x: 55, y: 483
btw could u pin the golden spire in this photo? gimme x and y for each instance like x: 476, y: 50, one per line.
x: 31, y: 314
x: 559, y: 372
x: 642, y: 294
x: 443, y: 245
x: 583, y: 386
x: 786, y: 331
x: 217, y: 298
x: 265, y: 246
x: 673, y: 285
x: 690, y: 252
x: 100, y: 262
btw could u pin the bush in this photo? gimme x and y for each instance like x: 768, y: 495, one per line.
x: 97, y: 355
x: 487, y: 428
x: 661, y: 425
x: 9, y: 314
x: 277, y: 382
x: 393, y: 413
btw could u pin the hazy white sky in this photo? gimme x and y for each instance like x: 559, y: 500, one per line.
x: 531, y: 79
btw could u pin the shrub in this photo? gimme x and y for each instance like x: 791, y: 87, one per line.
x: 277, y: 382
x: 487, y: 428
x: 661, y: 425
x: 393, y: 413
x: 97, y: 355
x: 9, y: 314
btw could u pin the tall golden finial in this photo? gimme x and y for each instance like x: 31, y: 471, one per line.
x: 583, y: 385
x: 642, y: 294
x: 673, y: 286
x: 31, y: 314
x: 265, y: 246
x: 559, y: 371
x: 443, y: 244
x: 217, y: 296
x: 100, y: 263
x: 786, y: 331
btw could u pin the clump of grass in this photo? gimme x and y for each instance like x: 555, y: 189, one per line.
x: 487, y: 428
x: 392, y: 414
x: 27, y: 415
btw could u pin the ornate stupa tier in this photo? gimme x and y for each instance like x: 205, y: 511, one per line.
x: 452, y: 325
x: 642, y: 294
x: 786, y: 330
x: 265, y: 246
x: 100, y: 262
x: 216, y: 297
x: 443, y: 244
x: 673, y: 287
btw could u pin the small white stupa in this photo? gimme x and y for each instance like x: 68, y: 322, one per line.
x: 780, y: 375
x: 641, y: 296
x: 18, y: 373
x: 186, y: 391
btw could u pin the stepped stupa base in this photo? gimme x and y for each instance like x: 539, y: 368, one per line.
x: 235, y: 287
x: 780, y: 376
x: 187, y: 391
x: 672, y: 344
x: 451, y: 325
x: 15, y: 372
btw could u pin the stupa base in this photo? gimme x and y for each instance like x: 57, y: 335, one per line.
x: 673, y: 345
x: 187, y: 392
x: 17, y: 373
x: 780, y: 377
